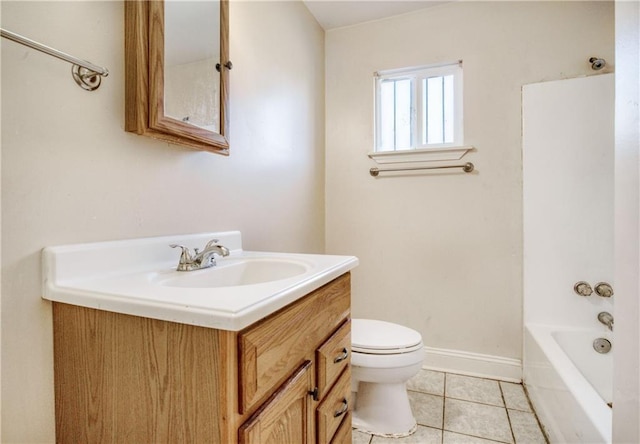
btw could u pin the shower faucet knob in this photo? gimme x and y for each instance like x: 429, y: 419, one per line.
x: 582, y: 288
x: 604, y: 290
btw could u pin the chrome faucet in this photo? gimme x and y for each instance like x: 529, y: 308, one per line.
x: 200, y: 259
x: 606, y: 319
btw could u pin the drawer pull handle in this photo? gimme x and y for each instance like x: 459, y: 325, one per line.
x: 343, y: 409
x: 342, y: 357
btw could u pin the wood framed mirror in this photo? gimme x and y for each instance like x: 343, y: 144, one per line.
x: 176, y: 89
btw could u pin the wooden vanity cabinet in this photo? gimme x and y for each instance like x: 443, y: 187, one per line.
x: 286, y: 378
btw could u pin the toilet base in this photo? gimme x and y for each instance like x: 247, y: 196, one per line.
x: 383, y: 410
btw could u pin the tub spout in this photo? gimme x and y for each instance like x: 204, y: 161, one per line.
x: 606, y: 319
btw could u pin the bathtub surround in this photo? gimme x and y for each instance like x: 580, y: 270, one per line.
x: 71, y: 174
x: 568, y: 177
x: 568, y: 162
x: 441, y: 252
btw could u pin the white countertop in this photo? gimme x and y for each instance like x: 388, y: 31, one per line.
x: 123, y: 276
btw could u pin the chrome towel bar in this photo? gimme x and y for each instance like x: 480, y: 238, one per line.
x: 86, y: 74
x: 467, y: 168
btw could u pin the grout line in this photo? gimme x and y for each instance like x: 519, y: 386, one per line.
x: 506, y: 410
x: 425, y: 393
x: 489, y: 405
x: 444, y: 388
x: 478, y: 402
x: 475, y: 436
x: 535, y: 415
x: 488, y: 378
x: 526, y: 396
x: 462, y: 399
x: 444, y: 402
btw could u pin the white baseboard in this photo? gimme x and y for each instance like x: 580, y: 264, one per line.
x: 473, y: 364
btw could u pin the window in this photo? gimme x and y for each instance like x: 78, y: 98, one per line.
x: 419, y: 108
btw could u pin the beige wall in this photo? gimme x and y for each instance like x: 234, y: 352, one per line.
x: 71, y: 174
x: 442, y: 252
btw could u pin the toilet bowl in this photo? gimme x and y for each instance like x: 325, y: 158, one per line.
x: 384, y: 356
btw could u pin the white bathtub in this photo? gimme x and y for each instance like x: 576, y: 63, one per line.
x: 569, y: 383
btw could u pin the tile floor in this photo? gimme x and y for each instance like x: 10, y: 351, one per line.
x: 455, y: 409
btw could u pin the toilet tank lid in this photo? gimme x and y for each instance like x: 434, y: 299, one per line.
x: 371, y: 334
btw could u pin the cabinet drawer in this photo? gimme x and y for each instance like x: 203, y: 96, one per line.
x: 333, y: 409
x: 333, y: 357
x: 271, y: 349
x: 344, y: 433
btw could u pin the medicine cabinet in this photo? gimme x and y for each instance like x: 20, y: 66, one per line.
x: 177, y: 72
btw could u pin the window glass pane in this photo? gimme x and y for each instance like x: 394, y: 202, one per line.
x: 403, y: 114
x: 435, y: 110
x: 423, y: 99
x: 395, y: 115
x: 448, y: 109
x: 387, y: 116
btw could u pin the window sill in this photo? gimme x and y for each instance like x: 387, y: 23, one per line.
x: 421, y: 155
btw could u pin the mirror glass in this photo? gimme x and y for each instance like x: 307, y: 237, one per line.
x: 191, y: 52
x: 173, y: 91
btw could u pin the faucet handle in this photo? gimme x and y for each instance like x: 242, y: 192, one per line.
x: 604, y: 290
x: 185, y: 256
x: 582, y: 288
x: 211, y: 243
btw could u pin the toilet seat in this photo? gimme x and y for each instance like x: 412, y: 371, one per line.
x: 374, y: 337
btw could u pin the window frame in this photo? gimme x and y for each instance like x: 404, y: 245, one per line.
x: 418, y: 123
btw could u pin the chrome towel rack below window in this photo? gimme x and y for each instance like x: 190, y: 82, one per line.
x: 467, y: 168
x: 86, y: 74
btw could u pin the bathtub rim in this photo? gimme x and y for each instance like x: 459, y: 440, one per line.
x: 598, y: 412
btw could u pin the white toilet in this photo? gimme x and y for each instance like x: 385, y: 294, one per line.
x: 384, y: 356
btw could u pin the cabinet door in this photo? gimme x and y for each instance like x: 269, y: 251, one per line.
x: 287, y: 416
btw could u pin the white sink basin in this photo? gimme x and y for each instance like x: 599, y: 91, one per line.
x: 233, y: 273
x: 137, y: 277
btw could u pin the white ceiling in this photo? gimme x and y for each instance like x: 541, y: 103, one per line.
x: 185, y: 42
x: 336, y: 13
